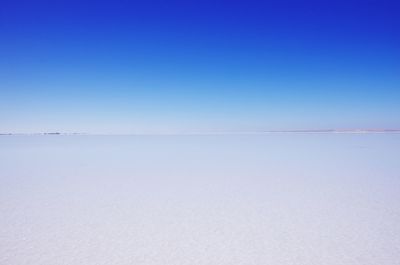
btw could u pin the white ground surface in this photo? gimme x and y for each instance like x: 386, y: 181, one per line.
x: 271, y: 199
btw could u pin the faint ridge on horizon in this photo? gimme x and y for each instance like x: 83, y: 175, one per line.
x: 217, y: 132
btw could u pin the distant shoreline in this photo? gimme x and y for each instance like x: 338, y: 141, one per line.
x: 344, y: 131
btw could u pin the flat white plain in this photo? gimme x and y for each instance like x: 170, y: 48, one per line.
x: 224, y: 199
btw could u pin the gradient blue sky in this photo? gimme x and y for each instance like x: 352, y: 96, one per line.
x: 167, y: 66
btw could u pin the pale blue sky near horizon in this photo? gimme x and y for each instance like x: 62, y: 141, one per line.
x: 169, y: 66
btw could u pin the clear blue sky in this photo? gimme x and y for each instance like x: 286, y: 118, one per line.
x: 162, y: 66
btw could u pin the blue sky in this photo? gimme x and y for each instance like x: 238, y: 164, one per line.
x: 171, y: 66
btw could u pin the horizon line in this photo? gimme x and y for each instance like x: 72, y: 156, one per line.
x: 212, y: 132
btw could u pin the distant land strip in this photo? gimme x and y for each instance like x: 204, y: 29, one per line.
x: 220, y: 132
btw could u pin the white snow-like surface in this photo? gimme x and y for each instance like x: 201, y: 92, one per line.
x: 258, y: 199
